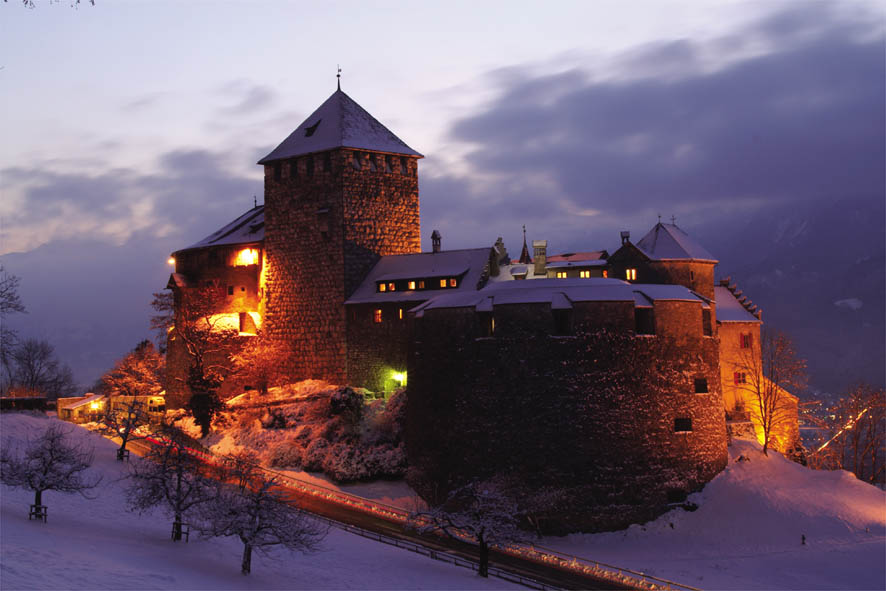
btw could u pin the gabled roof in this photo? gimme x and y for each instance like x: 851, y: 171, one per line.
x: 559, y: 292
x: 469, y: 264
x: 249, y: 227
x: 729, y: 309
x: 667, y: 242
x: 339, y: 123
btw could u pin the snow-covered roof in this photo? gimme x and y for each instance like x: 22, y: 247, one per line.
x: 558, y: 292
x: 668, y: 242
x: 570, y: 264
x: 248, y: 228
x: 730, y: 309
x: 469, y: 264
x: 88, y: 400
x: 339, y: 123
x: 596, y: 255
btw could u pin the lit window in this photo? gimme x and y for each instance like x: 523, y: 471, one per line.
x: 453, y: 282
x: 631, y: 274
x: 605, y: 273
x: 584, y: 274
x: 412, y: 285
x: 400, y: 314
x: 561, y: 274
x: 392, y: 287
x: 246, y: 257
x: 442, y: 283
x: 682, y: 425
x: 421, y: 284
x: 382, y: 287
x: 376, y: 315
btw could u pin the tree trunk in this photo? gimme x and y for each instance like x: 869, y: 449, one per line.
x: 177, y: 528
x: 38, y: 497
x: 484, y: 560
x: 246, y: 566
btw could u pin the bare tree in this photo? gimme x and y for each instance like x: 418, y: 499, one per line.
x: 205, y: 337
x: 767, y: 372
x: 48, y: 462
x: 10, y: 303
x: 36, y: 369
x: 253, y: 509
x: 138, y: 374
x: 480, y: 513
x: 260, y: 363
x: 171, y: 477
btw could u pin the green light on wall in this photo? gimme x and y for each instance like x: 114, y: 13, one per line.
x: 399, y: 377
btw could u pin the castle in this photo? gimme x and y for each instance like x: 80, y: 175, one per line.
x: 616, y: 373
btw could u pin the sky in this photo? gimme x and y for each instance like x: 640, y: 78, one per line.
x: 131, y: 129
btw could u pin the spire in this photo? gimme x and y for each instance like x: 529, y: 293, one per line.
x: 524, y: 254
x: 338, y: 76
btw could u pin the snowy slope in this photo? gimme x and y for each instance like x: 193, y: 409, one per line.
x: 747, y: 532
x: 97, y: 544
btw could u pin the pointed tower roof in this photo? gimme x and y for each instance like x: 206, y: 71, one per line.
x: 339, y: 123
x: 668, y: 242
x: 524, y: 254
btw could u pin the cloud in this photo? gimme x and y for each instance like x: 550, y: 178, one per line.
x: 791, y: 113
x: 190, y: 190
x: 248, y: 97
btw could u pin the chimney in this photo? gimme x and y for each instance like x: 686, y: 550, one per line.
x: 625, y: 236
x: 435, y: 241
x: 540, y: 254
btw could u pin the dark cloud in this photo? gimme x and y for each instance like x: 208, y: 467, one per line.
x: 248, y: 98
x: 801, y: 120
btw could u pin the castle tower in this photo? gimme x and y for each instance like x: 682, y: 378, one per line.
x: 340, y: 192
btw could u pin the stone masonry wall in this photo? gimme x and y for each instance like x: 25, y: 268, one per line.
x: 586, y: 424
x: 326, y: 224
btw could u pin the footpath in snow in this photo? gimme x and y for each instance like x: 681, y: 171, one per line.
x: 98, y: 544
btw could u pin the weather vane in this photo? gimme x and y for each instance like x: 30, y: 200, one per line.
x: 673, y: 220
x: 338, y: 76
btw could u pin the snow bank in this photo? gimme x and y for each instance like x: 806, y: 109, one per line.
x: 98, y: 544
x: 748, y: 531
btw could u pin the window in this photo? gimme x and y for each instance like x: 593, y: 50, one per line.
x: 631, y: 274
x: 739, y: 378
x: 293, y: 168
x: 485, y: 324
x: 421, y: 284
x: 382, y: 287
x: 355, y: 161
x: 327, y: 162
x: 584, y: 274
x: 644, y: 321
x: 376, y: 315
x: 309, y: 166
x: 691, y: 275
x: 745, y: 340
x: 400, y: 314
x: 701, y: 385
x: 404, y: 169
x: 278, y: 171
x: 561, y: 274
x: 389, y: 164
x: 230, y: 290
x: 605, y: 273
x: 562, y: 322
x: 392, y: 286
x: 442, y: 283
x: 372, y: 164
x: 411, y: 285
x: 453, y: 282
x: 682, y: 425
x: 706, y: 328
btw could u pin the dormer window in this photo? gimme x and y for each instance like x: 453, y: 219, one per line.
x: 631, y: 274
x: 411, y: 285
x: 421, y: 284
x: 392, y: 286
x: 453, y: 282
x: 355, y: 161
x: 382, y: 287
x: 442, y: 283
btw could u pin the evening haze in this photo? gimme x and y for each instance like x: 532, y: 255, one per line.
x: 131, y: 129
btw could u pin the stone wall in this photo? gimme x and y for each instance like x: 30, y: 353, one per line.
x: 697, y: 276
x: 584, y: 423
x: 326, y: 225
x: 376, y: 350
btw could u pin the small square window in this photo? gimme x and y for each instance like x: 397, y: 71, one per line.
x: 453, y: 282
x: 682, y: 425
x: 392, y: 287
x: 442, y: 283
x: 382, y: 287
x: 584, y: 274
x: 376, y: 315
x: 412, y: 285
x: 701, y: 385
x: 605, y: 273
x: 561, y: 274
x: 242, y: 288
x: 421, y: 284
x: 739, y: 378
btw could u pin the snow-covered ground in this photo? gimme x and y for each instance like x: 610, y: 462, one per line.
x: 747, y: 532
x: 98, y: 544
